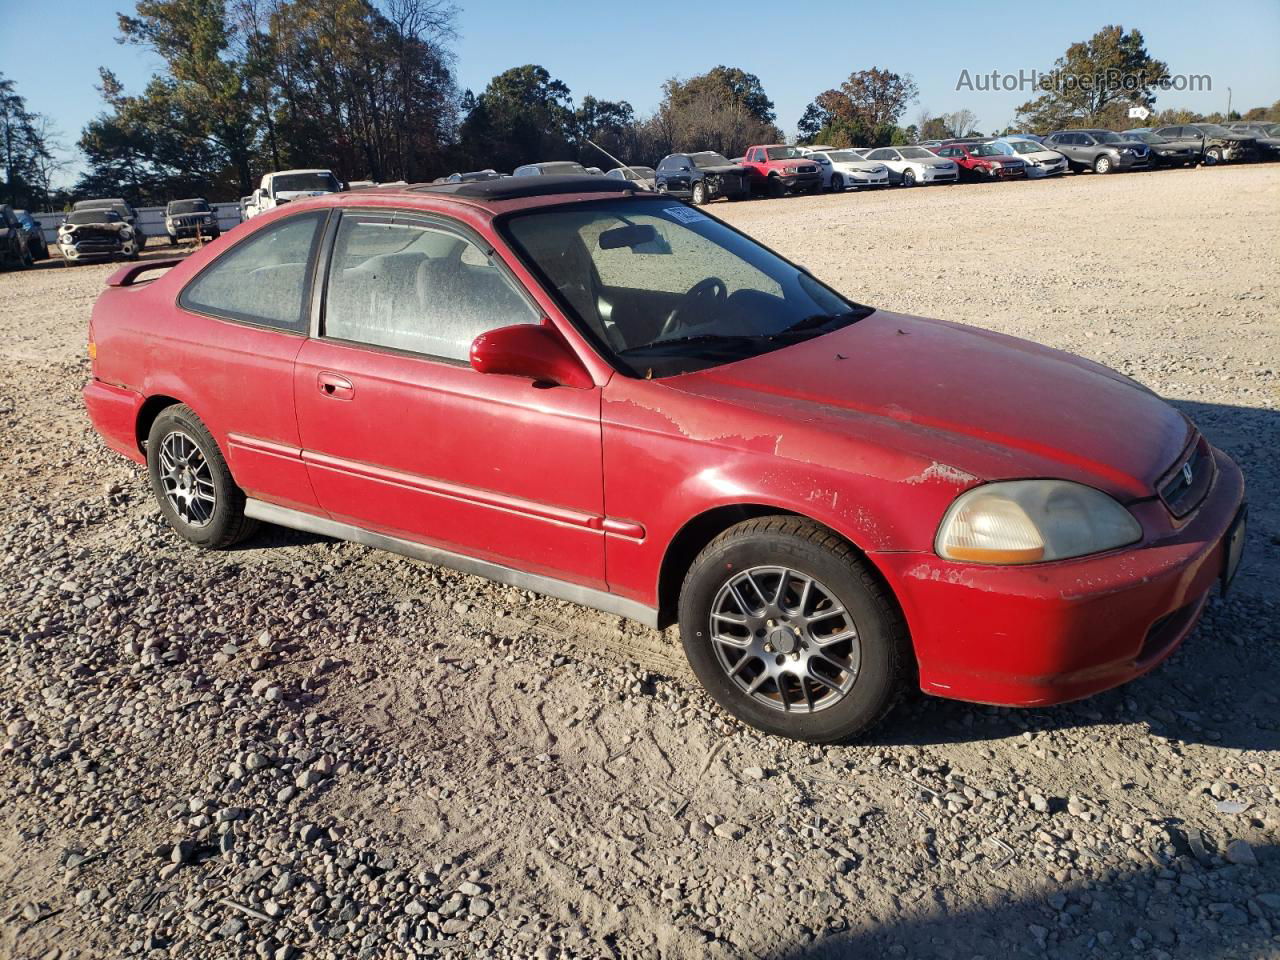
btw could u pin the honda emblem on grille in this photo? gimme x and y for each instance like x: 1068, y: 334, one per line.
x: 1186, y: 473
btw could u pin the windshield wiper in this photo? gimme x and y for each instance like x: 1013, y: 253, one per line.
x: 698, y: 339
x: 818, y: 320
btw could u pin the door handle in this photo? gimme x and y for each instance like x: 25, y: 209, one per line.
x: 332, y: 385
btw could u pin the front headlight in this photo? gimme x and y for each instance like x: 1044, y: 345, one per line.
x: 126, y: 232
x: 1033, y: 521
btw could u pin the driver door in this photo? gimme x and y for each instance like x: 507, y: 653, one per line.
x: 403, y: 437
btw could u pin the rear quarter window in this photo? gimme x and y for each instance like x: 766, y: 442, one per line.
x: 263, y: 280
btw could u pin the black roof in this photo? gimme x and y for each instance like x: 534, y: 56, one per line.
x: 512, y: 188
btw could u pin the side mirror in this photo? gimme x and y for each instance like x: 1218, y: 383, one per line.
x: 538, y: 353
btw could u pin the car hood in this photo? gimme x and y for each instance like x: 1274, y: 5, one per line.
x: 992, y: 406
x: 862, y: 166
x: 723, y: 168
x: 935, y: 162
x: 1136, y: 145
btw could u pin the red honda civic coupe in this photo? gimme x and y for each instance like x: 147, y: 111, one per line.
x: 608, y: 396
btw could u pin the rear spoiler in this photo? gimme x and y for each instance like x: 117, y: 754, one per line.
x: 128, y: 276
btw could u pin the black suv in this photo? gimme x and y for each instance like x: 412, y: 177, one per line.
x: 1211, y: 142
x: 14, y: 249
x: 702, y: 177
x: 1102, y: 151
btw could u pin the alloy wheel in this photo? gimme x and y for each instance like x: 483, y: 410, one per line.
x: 187, y: 479
x: 784, y: 639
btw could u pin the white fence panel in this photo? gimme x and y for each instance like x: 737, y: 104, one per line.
x: 150, y: 219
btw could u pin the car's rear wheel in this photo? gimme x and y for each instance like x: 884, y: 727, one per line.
x: 1102, y: 164
x: 699, y: 193
x: 791, y: 631
x: 908, y: 177
x: 192, y: 483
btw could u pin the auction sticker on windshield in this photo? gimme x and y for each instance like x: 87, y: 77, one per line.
x: 685, y: 215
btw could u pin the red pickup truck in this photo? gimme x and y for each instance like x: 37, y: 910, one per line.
x: 778, y: 169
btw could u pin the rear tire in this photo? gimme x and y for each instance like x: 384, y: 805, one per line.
x: 192, y: 483
x: 860, y: 677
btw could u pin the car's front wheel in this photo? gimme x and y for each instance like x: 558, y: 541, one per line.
x: 908, y: 177
x: 1102, y: 164
x: 1213, y: 156
x: 192, y: 483
x: 791, y: 631
x: 699, y: 193
x: 837, y: 183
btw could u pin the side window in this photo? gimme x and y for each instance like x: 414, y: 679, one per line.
x: 265, y: 279
x: 411, y: 285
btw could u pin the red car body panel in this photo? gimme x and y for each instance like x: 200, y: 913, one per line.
x: 974, y: 167
x: 872, y: 430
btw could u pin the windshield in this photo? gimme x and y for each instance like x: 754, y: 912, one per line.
x: 93, y: 216
x: 917, y: 153
x: 1214, y: 130
x: 1106, y: 136
x: 663, y: 289
x: 1145, y: 136
x: 782, y: 153
x: 638, y: 173
x: 985, y: 150
x: 704, y: 160
x: 325, y: 182
x: 1025, y: 146
x: 188, y: 206
x: 843, y: 156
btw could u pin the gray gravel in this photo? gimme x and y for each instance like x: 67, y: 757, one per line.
x: 309, y: 749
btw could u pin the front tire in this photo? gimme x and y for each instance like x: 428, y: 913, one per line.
x: 1102, y: 164
x: 791, y: 631
x: 192, y: 483
x: 908, y: 177
x: 699, y: 194
x: 1213, y: 156
x: 837, y: 183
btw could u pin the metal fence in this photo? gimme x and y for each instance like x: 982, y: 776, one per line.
x: 150, y: 220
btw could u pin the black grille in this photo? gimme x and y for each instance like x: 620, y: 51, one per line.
x: 1188, y: 482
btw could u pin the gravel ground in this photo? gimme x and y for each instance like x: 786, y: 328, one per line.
x: 304, y: 748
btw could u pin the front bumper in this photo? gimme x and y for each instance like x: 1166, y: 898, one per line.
x: 206, y: 230
x: 1049, y: 633
x: 1127, y: 161
x: 96, y: 250
x: 937, y: 175
x: 1039, y: 171
x: 800, y: 181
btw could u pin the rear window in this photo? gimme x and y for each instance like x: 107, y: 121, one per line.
x: 265, y: 279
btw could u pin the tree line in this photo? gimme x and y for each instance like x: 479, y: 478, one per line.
x: 368, y: 89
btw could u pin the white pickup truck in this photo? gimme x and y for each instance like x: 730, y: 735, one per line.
x: 285, y: 185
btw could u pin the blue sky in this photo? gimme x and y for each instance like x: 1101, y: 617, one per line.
x: 53, y: 51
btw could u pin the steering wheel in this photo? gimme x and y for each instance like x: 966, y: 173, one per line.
x: 709, y: 287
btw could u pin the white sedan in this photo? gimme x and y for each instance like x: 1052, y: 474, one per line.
x: 911, y: 165
x: 845, y: 170
x: 1040, y: 160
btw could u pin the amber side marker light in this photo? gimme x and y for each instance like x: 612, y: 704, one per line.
x: 93, y: 350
